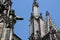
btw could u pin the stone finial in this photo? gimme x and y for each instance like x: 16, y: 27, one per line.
x: 35, y: 0
x: 47, y: 13
x: 41, y: 16
x: 35, y: 3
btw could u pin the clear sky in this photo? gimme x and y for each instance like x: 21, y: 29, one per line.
x: 23, y: 8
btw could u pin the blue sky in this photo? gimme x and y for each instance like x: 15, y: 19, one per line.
x: 23, y: 8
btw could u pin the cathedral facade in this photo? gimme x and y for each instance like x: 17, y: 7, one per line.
x: 40, y: 29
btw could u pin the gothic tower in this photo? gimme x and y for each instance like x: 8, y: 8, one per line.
x: 7, y: 21
x: 36, y: 23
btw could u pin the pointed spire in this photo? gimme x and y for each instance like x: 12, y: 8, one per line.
x: 35, y: 3
x: 47, y: 13
x: 35, y: 8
